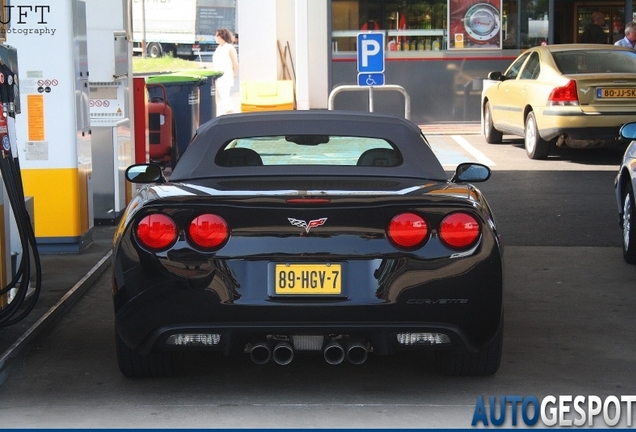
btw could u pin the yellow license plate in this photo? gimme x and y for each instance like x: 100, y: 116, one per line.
x: 308, y: 279
x: 610, y: 93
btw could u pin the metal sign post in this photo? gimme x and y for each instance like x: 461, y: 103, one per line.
x: 371, y: 71
x: 371, y: 62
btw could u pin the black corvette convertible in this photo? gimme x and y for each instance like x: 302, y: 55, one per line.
x: 326, y: 232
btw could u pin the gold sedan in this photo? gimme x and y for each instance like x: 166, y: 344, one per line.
x: 575, y: 95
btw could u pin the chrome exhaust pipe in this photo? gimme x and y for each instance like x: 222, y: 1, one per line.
x: 283, y: 353
x: 260, y: 352
x: 333, y: 353
x: 357, y: 352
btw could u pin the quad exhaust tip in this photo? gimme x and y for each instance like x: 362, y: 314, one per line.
x: 283, y: 353
x: 334, y: 352
x: 260, y: 352
x: 357, y: 353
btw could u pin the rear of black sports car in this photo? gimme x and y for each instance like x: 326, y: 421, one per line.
x: 332, y: 233
x: 345, y: 274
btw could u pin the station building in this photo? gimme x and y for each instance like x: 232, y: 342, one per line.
x: 439, y: 51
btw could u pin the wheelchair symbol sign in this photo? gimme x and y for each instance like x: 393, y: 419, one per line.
x: 370, y: 79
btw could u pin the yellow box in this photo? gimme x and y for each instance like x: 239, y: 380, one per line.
x: 267, y: 96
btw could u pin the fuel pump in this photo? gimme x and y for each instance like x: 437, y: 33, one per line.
x: 20, y: 304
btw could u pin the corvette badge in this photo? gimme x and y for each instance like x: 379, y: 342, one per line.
x: 312, y: 223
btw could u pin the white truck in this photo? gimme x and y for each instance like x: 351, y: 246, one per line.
x: 184, y: 28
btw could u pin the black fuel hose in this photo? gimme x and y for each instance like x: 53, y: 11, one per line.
x: 21, y: 304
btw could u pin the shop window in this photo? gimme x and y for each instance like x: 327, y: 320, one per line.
x: 534, y: 23
x: 422, y: 25
x: 408, y: 25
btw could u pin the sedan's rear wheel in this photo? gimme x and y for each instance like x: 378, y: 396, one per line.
x: 536, y: 147
x: 629, y: 230
x: 493, y: 136
x: 155, y: 364
x: 484, y: 362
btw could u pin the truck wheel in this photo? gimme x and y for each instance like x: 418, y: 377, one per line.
x: 154, y: 50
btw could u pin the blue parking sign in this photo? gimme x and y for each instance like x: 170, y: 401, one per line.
x: 371, y: 52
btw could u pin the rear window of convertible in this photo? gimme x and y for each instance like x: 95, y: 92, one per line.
x: 308, y: 150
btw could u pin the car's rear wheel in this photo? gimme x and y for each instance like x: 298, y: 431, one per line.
x: 629, y: 230
x: 493, y: 136
x: 154, y: 364
x: 536, y: 147
x: 484, y: 362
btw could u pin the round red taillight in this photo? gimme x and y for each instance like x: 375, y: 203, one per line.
x: 407, y: 230
x: 208, y: 231
x: 157, y: 231
x: 459, y: 230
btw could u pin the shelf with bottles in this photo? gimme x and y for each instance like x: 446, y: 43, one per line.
x: 396, y: 40
x: 420, y: 43
x: 389, y: 33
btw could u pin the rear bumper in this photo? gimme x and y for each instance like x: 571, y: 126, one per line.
x: 586, y: 137
x: 581, y: 129
x: 381, y: 337
x: 461, y: 298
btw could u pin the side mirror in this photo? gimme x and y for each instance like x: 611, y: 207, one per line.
x: 471, y: 172
x: 628, y: 130
x: 496, y: 76
x: 145, y: 173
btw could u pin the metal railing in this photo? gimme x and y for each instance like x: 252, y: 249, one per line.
x: 371, y: 89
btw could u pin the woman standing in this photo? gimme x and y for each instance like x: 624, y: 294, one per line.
x: 224, y: 60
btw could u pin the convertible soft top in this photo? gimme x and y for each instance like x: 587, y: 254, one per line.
x: 198, y: 161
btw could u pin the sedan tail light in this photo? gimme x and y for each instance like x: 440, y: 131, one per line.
x: 208, y: 231
x: 407, y: 230
x: 564, y: 96
x: 157, y: 231
x: 459, y: 230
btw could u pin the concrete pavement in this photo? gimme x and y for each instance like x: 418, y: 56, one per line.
x: 65, y: 278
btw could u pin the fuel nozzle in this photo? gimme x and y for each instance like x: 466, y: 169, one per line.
x: 7, y: 92
x: 4, y: 89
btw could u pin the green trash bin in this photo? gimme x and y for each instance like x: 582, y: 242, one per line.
x: 207, y: 90
x: 183, y: 93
